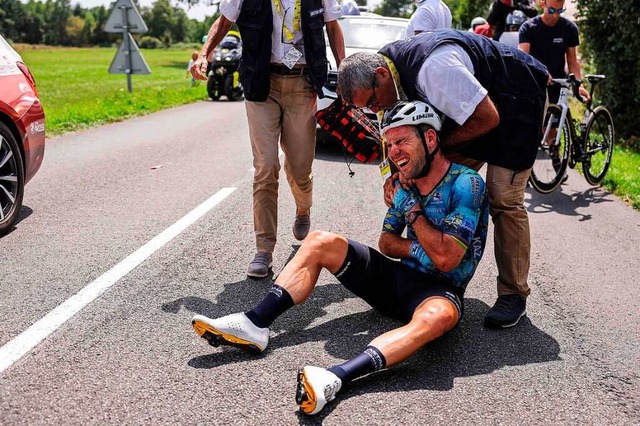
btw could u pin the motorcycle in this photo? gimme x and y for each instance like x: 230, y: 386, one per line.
x: 222, y: 73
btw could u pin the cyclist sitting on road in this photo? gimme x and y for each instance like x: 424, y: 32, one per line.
x: 445, y: 212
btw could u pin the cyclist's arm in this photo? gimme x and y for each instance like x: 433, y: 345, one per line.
x: 525, y: 47
x: 446, y: 248
x: 391, y: 242
x: 574, y: 68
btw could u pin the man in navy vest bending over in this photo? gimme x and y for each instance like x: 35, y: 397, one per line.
x: 493, y: 97
x: 283, y: 66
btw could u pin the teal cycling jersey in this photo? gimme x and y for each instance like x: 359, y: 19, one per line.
x: 458, y: 206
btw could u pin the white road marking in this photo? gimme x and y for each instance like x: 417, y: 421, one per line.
x: 23, y: 343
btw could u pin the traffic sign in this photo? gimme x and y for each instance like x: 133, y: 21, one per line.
x: 129, y: 20
x: 129, y: 60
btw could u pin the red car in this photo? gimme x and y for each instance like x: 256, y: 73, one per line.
x: 22, y: 133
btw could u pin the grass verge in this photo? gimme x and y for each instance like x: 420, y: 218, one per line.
x: 77, y: 91
x: 623, y: 177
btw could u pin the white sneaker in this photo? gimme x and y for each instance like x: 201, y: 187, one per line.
x: 316, y: 387
x: 233, y: 330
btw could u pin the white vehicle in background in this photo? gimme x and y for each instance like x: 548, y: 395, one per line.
x: 362, y: 33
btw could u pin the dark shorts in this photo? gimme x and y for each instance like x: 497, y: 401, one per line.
x: 391, y: 287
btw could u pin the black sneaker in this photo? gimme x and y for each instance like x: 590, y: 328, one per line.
x: 506, y: 312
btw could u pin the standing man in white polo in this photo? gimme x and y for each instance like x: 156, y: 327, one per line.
x: 428, y: 16
x: 283, y: 68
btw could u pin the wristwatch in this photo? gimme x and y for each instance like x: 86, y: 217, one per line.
x: 412, y: 216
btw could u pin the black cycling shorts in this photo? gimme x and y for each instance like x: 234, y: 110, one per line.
x: 389, y: 286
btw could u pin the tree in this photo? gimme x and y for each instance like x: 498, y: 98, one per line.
x: 397, y: 8
x: 12, y: 15
x: 463, y: 11
x: 160, y: 19
x: 610, y: 43
x: 73, y: 30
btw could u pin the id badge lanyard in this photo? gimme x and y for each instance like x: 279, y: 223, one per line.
x: 385, y: 166
x: 288, y: 32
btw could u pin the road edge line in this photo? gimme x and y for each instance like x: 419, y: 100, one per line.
x: 24, y: 342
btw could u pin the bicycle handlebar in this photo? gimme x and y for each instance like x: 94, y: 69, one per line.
x: 571, y: 82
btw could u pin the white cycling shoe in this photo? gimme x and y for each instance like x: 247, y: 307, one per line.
x: 232, y: 330
x: 316, y: 386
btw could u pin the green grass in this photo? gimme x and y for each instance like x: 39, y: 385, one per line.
x: 623, y: 177
x: 77, y: 91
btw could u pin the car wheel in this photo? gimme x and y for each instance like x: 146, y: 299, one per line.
x: 11, y: 179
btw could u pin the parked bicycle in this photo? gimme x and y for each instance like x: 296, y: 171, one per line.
x: 567, y: 142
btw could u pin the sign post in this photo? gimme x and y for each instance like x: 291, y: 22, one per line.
x: 125, y: 18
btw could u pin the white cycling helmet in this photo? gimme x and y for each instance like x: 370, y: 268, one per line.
x: 410, y: 113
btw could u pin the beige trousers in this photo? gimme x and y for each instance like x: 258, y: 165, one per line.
x: 286, y: 116
x: 511, y: 236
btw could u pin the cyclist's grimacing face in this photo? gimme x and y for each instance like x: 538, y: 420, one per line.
x: 406, y: 151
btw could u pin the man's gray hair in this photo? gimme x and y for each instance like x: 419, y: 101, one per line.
x: 356, y: 72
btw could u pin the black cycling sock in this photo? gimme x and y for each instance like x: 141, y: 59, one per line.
x: 367, y: 362
x: 272, y: 306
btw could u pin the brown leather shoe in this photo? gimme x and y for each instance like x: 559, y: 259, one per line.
x: 301, y: 226
x: 260, y: 265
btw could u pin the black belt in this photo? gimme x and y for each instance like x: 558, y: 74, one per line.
x: 285, y: 70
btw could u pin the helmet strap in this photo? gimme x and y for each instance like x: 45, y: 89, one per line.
x: 428, y: 156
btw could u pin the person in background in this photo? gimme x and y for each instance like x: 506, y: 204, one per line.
x: 282, y: 70
x: 553, y: 40
x: 194, y: 58
x: 513, y: 23
x: 428, y: 16
x: 475, y: 22
x: 350, y: 7
x: 501, y: 8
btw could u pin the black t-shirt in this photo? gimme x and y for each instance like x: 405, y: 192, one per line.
x: 549, y: 44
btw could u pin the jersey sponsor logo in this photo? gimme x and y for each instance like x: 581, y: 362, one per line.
x: 477, y: 248
x: 475, y: 189
x: 437, y: 196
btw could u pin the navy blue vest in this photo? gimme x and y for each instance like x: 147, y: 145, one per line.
x: 516, y: 83
x: 256, y: 24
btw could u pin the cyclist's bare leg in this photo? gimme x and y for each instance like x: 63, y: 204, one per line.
x: 431, y: 319
x: 319, y: 250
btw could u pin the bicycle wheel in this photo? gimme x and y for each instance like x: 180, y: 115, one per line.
x: 598, y: 145
x: 551, y: 160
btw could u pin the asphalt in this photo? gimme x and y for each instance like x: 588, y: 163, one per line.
x: 131, y: 356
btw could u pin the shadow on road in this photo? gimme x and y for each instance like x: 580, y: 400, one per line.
x: 566, y: 203
x: 468, y: 350
x: 25, y: 212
